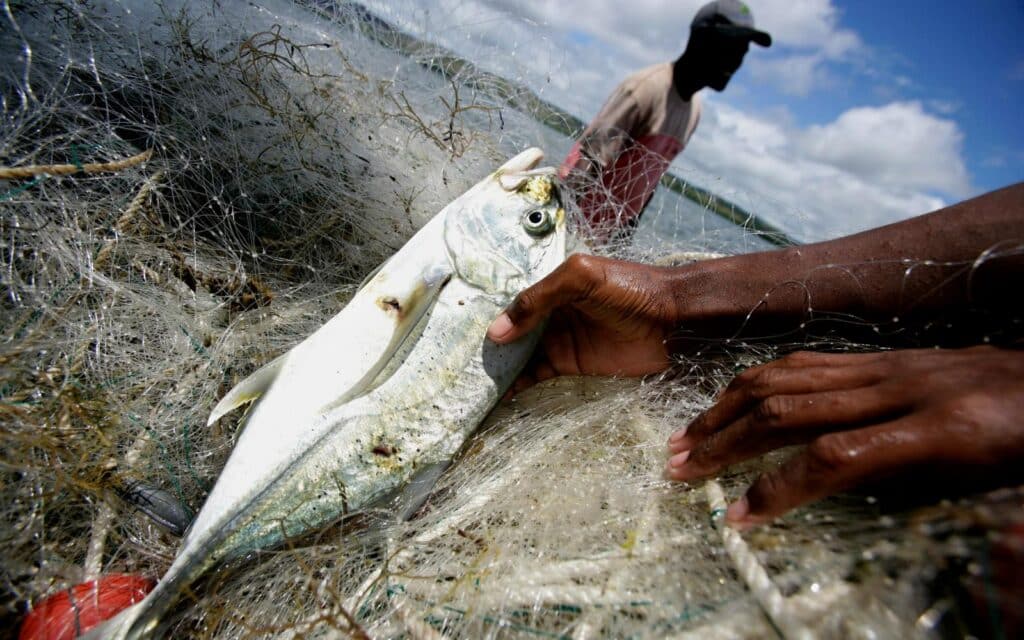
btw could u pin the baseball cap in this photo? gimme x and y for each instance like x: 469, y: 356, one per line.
x: 730, y: 17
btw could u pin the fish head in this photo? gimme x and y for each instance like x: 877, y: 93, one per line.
x: 509, y: 230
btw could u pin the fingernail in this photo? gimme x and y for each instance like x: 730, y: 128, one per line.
x: 678, y: 460
x: 500, y: 327
x: 738, y: 510
x: 678, y: 435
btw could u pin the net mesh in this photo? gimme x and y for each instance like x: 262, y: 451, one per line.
x: 190, y: 190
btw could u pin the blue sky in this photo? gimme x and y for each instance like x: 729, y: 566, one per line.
x: 860, y: 114
x: 970, y: 54
x: 964, y: 60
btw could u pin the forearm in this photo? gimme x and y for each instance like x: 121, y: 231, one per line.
x: 967, y: 255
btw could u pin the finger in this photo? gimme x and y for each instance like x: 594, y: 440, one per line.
x: 834, y: 463
x: 781, y: 421
x: 544, y: 371
x: 827, y: 359
x: 565, y: 284
x: 756, y: 385
x: 561, y: 344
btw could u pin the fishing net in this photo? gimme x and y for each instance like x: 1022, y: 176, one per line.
x: 190, y: 190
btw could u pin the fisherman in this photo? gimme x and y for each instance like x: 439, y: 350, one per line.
x: 946, y: 417
x: 618, y: 161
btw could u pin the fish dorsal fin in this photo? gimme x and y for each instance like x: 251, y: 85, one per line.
x: 248, y: 390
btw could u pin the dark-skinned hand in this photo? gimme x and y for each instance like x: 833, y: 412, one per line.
x: 893, y: 415
x: 607, y: 317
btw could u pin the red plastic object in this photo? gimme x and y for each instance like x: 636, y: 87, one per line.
x: 74, y: 611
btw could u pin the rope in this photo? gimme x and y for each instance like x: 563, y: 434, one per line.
x: 14, y: 173
x: 754, y: 575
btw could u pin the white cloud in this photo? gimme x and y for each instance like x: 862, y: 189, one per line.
x: 659, y: 29
x: 808, y: 24
x: 795, y: 75
x: 945, y: 107
x: 808, y: 39
x: 1002, y: 157
x: 897, y: 145
x: 817, y: 183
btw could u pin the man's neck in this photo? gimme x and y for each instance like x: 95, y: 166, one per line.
x: 684, y: 78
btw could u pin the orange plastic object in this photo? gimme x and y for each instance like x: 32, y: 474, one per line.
x: 74, y: 611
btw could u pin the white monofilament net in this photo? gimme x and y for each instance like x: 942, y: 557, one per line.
x: 210, y: 184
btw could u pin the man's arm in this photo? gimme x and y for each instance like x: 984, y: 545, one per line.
x: 967, y: 255
x: 896, y: 415
x: 937, y: 422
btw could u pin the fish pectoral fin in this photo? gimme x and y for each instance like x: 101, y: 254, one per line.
x: 405, y: 306
x: 419, y: 488
x: 247, y: 390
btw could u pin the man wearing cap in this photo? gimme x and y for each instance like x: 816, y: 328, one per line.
x: 617, y: 162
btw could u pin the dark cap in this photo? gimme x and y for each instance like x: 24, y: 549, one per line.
x: 730, y: 17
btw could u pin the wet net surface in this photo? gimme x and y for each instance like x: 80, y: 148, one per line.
x: 191, y: 190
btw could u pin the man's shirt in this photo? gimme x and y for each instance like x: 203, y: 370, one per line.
x: 630, y: 144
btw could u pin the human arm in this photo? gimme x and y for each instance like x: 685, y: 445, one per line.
x: 966, y: 255
x: 865, y: 417
x: 913, y: 418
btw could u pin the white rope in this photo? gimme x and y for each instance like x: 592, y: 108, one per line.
x: 754, y: 575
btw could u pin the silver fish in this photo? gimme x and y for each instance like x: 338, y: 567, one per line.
x: 380, y: 398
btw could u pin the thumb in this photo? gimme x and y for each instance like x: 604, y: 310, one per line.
x: 518, y: 319
x: 562, y: 286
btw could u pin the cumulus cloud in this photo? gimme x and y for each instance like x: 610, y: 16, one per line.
x: 664, y: 26
x: 807, y: 24
x: 809, y: 40
x: 897, y: 145
x: 945, y: 107
x: 826, y: 180
x: 795, y: 75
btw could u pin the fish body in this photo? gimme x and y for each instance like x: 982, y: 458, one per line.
x: 385, y: 393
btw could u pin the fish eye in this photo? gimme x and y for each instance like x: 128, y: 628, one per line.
x: 538, y: 222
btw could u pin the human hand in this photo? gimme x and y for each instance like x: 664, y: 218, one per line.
x: 607, y: 317
x: 864, y: 417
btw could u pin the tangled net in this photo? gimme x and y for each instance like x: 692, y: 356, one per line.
x: 188, y: 191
